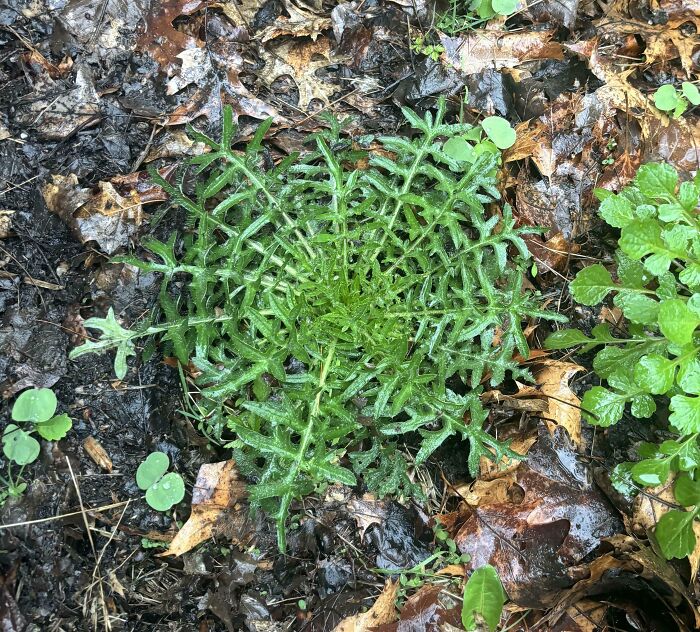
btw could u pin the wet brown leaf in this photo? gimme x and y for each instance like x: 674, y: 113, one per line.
x: 483, y: 49
x: 162, y: 40
x: 552, y: 518
x: 634, y: 570
x: 300, y: 59
x: 103, y: 216
x: 300, y: 23
x: 564, y: 408
x: 382, y: 612
x: 430, y: 609
x: 217, y: 508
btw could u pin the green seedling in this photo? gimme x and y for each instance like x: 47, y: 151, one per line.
x: 35, y: 406
x: 422, y: 47
x: 427, y: 571
x: 38, y: 405
x: 466, y: 15
x: 483, y: 599
x: 668, y: 99
x: 162, y: 490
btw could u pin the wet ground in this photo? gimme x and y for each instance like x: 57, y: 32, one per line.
x: 93, y: 91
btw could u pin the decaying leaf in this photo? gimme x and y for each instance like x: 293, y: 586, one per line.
x: 551, y: 518
x: 382, y: 612
x: 638, y: 575
x: 97, y: 453
x: 483, y: 49
x: 551, y: 255
x: 430, y: 609
x: 104, y: 215
x: 564, y: 407
x: 300, y: 23
x: 58, y: 109
x: 217, y: 508
x: 367, y: 511
x: 300, y: 59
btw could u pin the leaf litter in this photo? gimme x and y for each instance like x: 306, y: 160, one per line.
x: 92, y: 91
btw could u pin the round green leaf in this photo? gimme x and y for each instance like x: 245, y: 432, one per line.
x: 677, y: 321
x: 655, y: 374
x: 19, y: 446
x: 504, y: 7
x: 499, y: 131
x: 483, y: 596
x: 675, y: 535
x: 686, y: 490
x: 592, y: 285
x: 55, y: 428
x: 152, y: 469
x: 666, y: 98
x: 686, y: 414
x: 603, y: 407
x: 651, y: 472
x: 35, y: 404
x: 166, y: 492
x: 458, y: 148
x: 691, y: 92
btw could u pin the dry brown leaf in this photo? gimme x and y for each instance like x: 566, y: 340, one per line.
x: 533, y: 140
x: 300, y: 59
x: 104, y: 216
x: 482, y: 492
x: 300, y: 23
x: 456, y: 570
x: 97, y: 453
x: 367, y: 511
x: 217, y: 508
x: 564, y: 407
x: 382, y: 612
x: 484, y: 49
x: 663, y: 43
x: 650, y: 506
x: 694, y: 557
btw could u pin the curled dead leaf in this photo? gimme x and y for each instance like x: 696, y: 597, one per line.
x: 217, y: 508
x: 564, y: 408
x: 382, y: 612
x: 483, y: 49
x: 104, y: 215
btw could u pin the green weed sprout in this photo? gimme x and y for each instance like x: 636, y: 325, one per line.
x: 162, y: 490
x: 35, y: 406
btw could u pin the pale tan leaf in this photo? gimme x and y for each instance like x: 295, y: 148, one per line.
x: 564, y: 408
x: 217, y: 507
x: 382, y: 612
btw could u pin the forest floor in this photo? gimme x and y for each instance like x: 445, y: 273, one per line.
x: 94, y: 91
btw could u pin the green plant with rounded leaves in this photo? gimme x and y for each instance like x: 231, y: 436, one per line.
x: 467, y: 15
x: 162, y: 490
x: 37, y: 407
x: 668, y: 99
x: 421, y: 46
x: 657, y: 288
x: 333, y: 312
